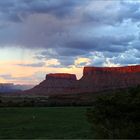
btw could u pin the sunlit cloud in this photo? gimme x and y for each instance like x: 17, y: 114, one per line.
x: 108, y: 63
x: 52, y: 62
x: 82, y: 62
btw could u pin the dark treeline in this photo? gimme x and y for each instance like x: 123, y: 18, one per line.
x: 84, y: 99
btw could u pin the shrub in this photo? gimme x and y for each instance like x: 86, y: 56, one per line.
x: 116, y: 116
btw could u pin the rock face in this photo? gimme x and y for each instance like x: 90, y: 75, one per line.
x: 98, y: 78
x: 126, y: 69
x: 55, y: 84
x: 94, y: 79
x: 61, y: 76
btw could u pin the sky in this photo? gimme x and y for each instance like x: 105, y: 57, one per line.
x: 38, y: 37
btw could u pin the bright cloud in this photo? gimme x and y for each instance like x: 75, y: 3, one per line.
x: 82, y: 62
x: 52, y: 62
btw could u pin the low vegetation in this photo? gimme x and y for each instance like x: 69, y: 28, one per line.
x: 116, y: 115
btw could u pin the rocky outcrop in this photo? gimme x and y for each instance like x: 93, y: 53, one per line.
x: 105, y: 78
x: 61, y: 76
x: 126, y: 69
x: 55, y: 84
x: 94, y: 79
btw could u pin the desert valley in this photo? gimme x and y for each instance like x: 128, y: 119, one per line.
x: 62, y: 89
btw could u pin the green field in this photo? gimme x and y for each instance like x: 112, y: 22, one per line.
x: 47, y: 122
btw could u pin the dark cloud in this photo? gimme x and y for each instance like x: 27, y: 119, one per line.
x: 67, y: 29
x: 136, y: 45
x: 62, y: 57
x: 17, y: 10
x: 129, y: 11
x: 113, y: 13
x: 103, y: 43
x: 109, y: 45
x: 71, y: 52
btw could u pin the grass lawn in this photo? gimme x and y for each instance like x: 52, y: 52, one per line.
x: 47, y: 122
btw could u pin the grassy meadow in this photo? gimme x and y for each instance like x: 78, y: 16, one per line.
x: 47, y: 122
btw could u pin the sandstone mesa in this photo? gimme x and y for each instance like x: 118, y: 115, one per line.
x: 94, y: 79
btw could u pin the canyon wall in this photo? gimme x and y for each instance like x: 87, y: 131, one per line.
x: 94, y: 79
x: 126, y: 69
x: 55, y: 84
x: 105, y: 78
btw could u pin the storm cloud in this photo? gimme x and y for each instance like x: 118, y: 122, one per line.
x: 66, y: 30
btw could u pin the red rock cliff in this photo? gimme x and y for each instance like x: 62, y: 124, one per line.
x: 126, y: 69
x: 102, y: 78
x: 55, y: 83
x: 94, y: 79
x: 61, y: 76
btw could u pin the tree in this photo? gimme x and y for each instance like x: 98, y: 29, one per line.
x: 117, y: 115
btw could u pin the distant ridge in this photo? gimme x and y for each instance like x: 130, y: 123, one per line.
x: 12, y: 88
x: 94, y: 79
